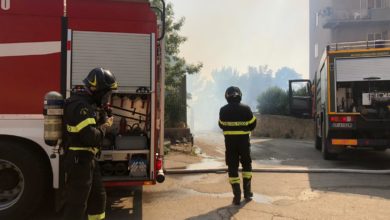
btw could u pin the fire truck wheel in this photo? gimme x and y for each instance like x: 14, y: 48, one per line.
x: 325, y: 150
x: 326, y: 144
x: 23, y: 181
x: 318, y: 143
x: 318, y: 140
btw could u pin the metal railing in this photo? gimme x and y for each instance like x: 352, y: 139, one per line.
x: 359, y: 45
x: 332, y: 15
x: 351, y: 14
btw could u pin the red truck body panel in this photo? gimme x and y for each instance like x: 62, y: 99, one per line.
x: 109, y: 16
x: 26, y: 76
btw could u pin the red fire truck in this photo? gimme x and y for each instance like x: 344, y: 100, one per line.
x: 51, y: 45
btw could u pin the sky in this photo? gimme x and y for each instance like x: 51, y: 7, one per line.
x: 242, y: 33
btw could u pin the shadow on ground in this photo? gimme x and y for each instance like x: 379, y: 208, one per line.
x: 301, y: 153
x: 226, y: 212
x: 124, y: 203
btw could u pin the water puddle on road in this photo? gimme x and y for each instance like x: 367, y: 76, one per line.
x: 270, y: 161
x: 258, y: 198
x: 259, y: 141
x: 206, y: 163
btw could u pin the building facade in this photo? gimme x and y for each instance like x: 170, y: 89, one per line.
x: 336, y: 21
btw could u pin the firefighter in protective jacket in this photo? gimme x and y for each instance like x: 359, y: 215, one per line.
x: 85, y: 193
x: 237, y: 121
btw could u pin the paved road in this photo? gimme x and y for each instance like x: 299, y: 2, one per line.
x: 285, y: 152
x: 277, y: 196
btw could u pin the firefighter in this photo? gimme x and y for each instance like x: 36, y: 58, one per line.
x: 237, y: 121
x: 85, y: 193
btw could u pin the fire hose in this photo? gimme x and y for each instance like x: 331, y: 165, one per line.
x: 278, y: 170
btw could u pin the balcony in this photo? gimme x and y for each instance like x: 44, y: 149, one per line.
x: 336, y: 18
x: 380, y: 14
x: 359, y: 45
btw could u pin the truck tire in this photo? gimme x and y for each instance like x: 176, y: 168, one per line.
x: 318, y: 143
x: 380, y: 149
x: 24, y: 181
x: 318, y: 140
x: 325, y: 148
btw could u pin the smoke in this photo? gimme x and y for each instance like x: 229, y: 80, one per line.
x: 207, y: 96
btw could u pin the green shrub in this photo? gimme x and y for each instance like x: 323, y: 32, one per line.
x: 274, y: 101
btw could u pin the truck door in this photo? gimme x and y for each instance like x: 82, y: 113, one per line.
x: 300, y: 98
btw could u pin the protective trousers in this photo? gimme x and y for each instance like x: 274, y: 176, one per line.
x: 85, y: 193
x: 238, y: 150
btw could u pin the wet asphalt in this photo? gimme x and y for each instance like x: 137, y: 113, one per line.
x: 275, y: 153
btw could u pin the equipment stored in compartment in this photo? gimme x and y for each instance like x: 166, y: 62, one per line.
x: 370, y: 98
x: 131, y: 143
x: 138, y: 166
x: 127, y: 150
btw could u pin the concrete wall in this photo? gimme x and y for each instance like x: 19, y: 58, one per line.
x: 276, y: 126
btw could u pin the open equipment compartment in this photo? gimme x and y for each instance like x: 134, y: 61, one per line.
x: 371, y: 97
x: 128, y: 150
x: 127, y: 147
x: 363, y: 86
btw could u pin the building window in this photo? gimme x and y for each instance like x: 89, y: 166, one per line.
x: 315, y: 50
x: 370, y: 4
x: 376, y: 36
x: 377, y: 4
x: 317, y: 19
x: 370, y: 37
x: 386, y: 3
x: 385, y: 35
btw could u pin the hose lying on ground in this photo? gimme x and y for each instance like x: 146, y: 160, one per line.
x: 279, y: 170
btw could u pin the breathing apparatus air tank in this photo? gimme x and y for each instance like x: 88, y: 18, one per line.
x: 53, y: 112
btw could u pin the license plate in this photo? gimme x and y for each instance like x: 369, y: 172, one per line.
x: 341, y: 125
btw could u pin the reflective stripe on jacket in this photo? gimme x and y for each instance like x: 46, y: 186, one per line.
x: 80, y: 122
x: 236, y: 119
x: 81, y: 125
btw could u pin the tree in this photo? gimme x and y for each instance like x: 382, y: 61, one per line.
x: 274, y: 101
x: 283, y: 75
x: 176, y: 68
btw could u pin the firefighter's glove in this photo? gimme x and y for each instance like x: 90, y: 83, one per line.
x: 107, y: 125
x: 109, y: 121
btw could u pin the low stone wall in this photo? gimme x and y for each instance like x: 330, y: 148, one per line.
x: 179, y: 135
x: 276, y: 126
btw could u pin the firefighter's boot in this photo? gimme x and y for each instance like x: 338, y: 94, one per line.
x: 248, y: 194
x: 237, y: 193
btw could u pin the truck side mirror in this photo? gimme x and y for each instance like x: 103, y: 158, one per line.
x: 300, y: 98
